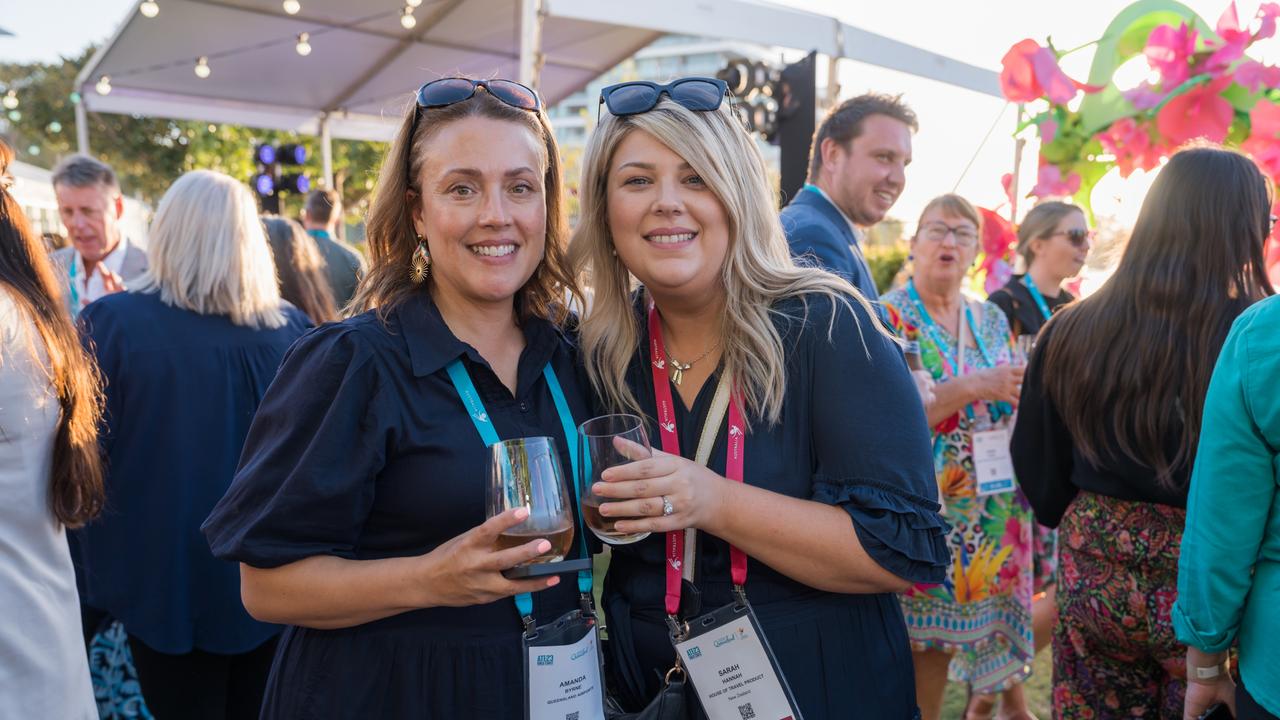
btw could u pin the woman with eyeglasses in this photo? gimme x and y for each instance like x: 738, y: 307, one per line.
x: 816, y: 505
x: 977, y: 621
x: 358, y: 511
x: 1106, y: 436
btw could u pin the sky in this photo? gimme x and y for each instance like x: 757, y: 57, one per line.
x: 953, y: 122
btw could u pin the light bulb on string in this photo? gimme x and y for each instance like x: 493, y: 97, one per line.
x: 10, y: 100
x: 150, y: 8
x: 407, y: 20
x: 104, y: 85
x: 304, y: 44
x: 413, y: 3
x: 293, y: 7
x: 202, y: 67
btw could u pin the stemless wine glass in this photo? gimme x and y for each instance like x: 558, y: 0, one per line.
x: 525, y: 472
x: 1024, y: 344
x: 598, y: 453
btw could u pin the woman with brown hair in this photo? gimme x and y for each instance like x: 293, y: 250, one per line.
x: 1110, y: 417
x: 300, y: 269
x: 50, y: 477
x: 358, y: 512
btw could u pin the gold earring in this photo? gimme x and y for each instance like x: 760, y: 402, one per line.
x: 420, y: 265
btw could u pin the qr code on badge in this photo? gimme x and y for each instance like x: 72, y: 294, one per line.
x: 571, y: 716
x: 746, y: 711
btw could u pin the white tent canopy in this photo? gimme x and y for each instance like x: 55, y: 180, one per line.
x: 364, y: 63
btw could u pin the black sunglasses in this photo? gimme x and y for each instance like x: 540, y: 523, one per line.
x: 700, y: 94
x: 451, y: 91
x: 1077, y: 236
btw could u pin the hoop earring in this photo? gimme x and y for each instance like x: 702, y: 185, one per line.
x: 420, y: 264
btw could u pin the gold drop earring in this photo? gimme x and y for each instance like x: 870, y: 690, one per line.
x: 420, y: 265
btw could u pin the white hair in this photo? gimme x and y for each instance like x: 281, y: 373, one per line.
x: 208, y: 252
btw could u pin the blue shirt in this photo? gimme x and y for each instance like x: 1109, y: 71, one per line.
x: 1229, y: 568
x: 181, y: 390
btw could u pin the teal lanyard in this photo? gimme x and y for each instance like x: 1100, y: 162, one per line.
x: 1035, y: 295
x: 489, y: 436
x: 75, y: 289
x: 935, y: 333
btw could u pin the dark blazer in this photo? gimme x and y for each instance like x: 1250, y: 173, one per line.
x: 820, y: 236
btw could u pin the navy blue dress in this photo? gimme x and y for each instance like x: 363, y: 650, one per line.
x: 363, y: 450
x: 181, y: 391
x: 852, y: 434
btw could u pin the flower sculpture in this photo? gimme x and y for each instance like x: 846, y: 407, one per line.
x: 1204, y: 85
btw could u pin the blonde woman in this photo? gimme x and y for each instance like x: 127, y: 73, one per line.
x: 835, y: 510
x: 186, y: 357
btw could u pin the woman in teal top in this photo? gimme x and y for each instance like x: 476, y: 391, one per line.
x: 1233, y: 527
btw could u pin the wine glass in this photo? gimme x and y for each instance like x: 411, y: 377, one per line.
x: 1024, y: 344
x: 598, y: 453
x: 525, y: 472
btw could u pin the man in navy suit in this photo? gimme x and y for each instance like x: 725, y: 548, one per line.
x: 857, y: 169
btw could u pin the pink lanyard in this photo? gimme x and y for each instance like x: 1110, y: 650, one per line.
x: 671, y: 446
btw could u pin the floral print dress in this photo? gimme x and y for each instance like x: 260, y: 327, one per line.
x: 982, y: 612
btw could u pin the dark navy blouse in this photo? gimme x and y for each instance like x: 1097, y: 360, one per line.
x: 181, y: 390
x: 362, y: 449
x: 852, y: 434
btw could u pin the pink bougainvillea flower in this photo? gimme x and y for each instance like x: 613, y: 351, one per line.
x: 1234, y: 40
x: 997, y: 234
x: 1199, y: 112
x: 1268, y: 14
x: 1264, y: 137
x: 1143, y: 97
x: 1048, y: 130
x: 1050, y: 183
x: 998, y: 273
x: 1030, y: 72
x: 1256, y: 76
x: 1168, y: 51
x: 1006, y: 182
x: 1131, y: 145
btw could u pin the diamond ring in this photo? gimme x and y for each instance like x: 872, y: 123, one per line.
x: 667, y: 507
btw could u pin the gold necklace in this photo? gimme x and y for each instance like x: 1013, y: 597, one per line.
x: 678, y: 368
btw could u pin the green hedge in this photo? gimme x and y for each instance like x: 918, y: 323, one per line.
x: 885, y: 261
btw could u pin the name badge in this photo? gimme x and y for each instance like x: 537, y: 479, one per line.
x: 562, y: 670
x: 992, y: 463
x: 733, y: 670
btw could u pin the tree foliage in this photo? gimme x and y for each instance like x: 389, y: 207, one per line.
x: 150, y: 153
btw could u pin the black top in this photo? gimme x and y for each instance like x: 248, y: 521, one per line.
x: 852, y: 434
x: 362, y: 449
x: 1020, y: 308
x: 181, y: 390
x: 1051, y: 470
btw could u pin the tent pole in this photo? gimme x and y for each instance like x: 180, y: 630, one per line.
x: 326, y: 150
x: 531, y: 13
x: 1017, y: 168
x: 82, y: 128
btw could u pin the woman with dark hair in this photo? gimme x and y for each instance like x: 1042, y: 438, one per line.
x: 358, y: 511
x: 300, y: 269
x: 1109, y: 421
x: 50, y: 477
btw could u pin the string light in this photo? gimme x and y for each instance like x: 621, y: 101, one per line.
x: 104, y: 85
x: 293, y: 7
x: 10, y: 101
x: 304, y: 44
x: 202, y: 68
x: 413, y: 3
x: 407, y: 20
x: 150, y: 8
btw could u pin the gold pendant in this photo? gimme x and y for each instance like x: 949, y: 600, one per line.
x: 677, y: 371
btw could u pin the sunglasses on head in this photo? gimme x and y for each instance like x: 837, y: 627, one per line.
x: 700, y: 94
x: 451, y: 91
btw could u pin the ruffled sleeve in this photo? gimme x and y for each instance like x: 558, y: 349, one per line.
x: 306, y: 478
x: 872, y: 444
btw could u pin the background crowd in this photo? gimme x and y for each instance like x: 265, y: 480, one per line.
x: 272, y: 519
